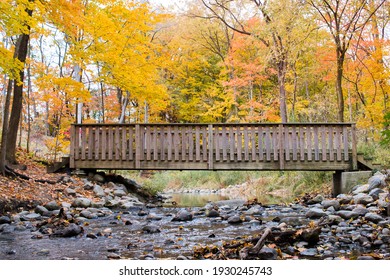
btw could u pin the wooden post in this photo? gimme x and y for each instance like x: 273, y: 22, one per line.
x: 337, y: 183
x: 72, y: 145
x: 281, y: 147
x: 354, y: 147
x: 137, y: 147
x: 211, y: 147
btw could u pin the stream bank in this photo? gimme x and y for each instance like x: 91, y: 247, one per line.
x: 117, y: 224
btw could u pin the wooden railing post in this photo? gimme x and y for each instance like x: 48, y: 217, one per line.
x: 211, y: 147
x: 354, y: 147
x: 72, y: 145
x: 137, y: 147
x: 281, y: 146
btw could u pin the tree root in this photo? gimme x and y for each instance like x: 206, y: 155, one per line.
x: 14, y: 174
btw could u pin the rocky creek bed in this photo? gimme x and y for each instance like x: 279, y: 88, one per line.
x: 118, y: 223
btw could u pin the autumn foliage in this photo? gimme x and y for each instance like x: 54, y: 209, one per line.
x: 127, y: 61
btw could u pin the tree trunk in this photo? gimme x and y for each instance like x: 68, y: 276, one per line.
x: 17, y: 102
x: 5, y: 128
x: 282, y: 67
x: 339, y: 86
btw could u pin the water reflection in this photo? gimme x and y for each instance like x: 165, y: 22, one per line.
x: 199, y: 199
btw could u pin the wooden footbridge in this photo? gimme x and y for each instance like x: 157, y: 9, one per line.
x: 292, y: 146
x: 320, y: 146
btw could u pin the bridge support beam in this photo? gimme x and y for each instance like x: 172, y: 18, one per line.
x: 337, y: 183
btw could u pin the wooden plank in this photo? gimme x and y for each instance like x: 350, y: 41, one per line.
x: 239, y: 143
x: 155, y: 146
x: 253, y: 143
x: 287, y: 143
x: 232, y: 143
x: 91, y: 147
x: 176, y: 141
x: 316, y: 144
x: 124, y: 143
x: 117, y: 143
x: 104, y: 143
x: 190, y: 144
x: 137, y: 146
x: 268, y: 143
x: 246, y: 144
x: 197, y: 143
x: 148, y: 143
x: 294, y: 140
x: 170, y: 143
x: 275, y: 144
x: 83, y: 142
x: 204, y: 144
x: 309, y: 143
x: 338, y: 143
x: 224, y: 143
x: 261, y: 143
x: 110, y: 142
x: 330, y: 143
x: 210, y: 147
x: 281, y: 146
x: 345, y: 143
x: 323, y: 141
x: 73, y: 138
x: 184, y: 143
x: 216, y: 143
x: 131, y: 142
x: 301, y: 143
x: 354, y: 147
x: 163, y: 143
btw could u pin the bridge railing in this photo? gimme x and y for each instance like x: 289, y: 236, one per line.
x: 320, y: 146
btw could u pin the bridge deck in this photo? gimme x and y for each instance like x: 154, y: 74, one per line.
x: 320, y: 146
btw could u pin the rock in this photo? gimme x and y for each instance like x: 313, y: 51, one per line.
x: 41, y: 209
x: 183, y: 216
x: 345, y: 214
x: 331, y: 203
x: 294, y: 221
x: 315, y: 213
x: 52, y: 205
x: 374, y: 193
x: 6, y: 228
x: 81, y: 202
x: 377, y: 181
x: 362, y: 198
x: 344, y: 199
x: 212, y: 213
x: 318, y: 199
x: 99, y: 204
x: 267, y: 253
x: 255, y: 210
x: 70, y: 231
x: 153, y: 217
x: 99, y: 191
x: 181, y: 258
x: 234, y: 219
x: 31, y: 216
x: 5, y: 220
x: 372, y: 217
x: 119, y: 193
x: 311, y: 236
x: 361, y: 189
x: 99, y: 178
x: 66, y: 205
x: 151, y: 229
x: 43, y: 252
x: 91, y: 236
x: 70, y: 192
x: 88, y: 186
x: 309, y: 253
x: 360, y: 210
x: 87, y: 214
x: 365, y: 258
x: 113, y: 256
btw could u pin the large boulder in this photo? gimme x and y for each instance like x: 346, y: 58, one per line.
x: 377, y: 181
x: 183, y: 216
